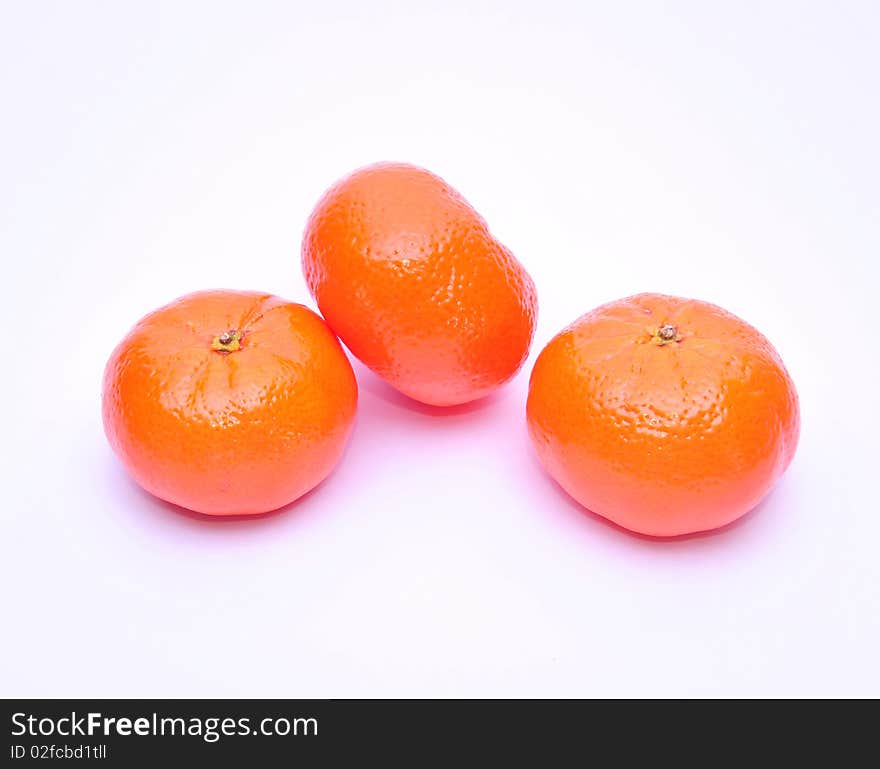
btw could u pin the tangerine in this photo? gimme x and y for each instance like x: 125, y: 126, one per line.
x: 665, y: 415
x: 229, y: 402
x: 408, y: 275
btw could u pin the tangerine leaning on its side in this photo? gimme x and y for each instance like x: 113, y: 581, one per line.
x: 229, y: 402
x: 410, y: 278
x: 666, y: 415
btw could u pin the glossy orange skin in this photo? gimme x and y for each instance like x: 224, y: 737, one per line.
x: 410, y: 278
x: 229, y: 433
x: 663, y: 437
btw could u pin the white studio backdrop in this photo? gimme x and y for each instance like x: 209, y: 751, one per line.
x: 724, y: 151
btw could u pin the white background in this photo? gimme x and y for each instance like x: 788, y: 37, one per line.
x: 726, y: 151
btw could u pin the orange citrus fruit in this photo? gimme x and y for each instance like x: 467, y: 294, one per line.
x: 666, y: 415
x: 410, y: 278
x: 229, y: 402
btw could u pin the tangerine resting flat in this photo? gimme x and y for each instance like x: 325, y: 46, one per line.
x: 665, y: 415
x: 229, y: 402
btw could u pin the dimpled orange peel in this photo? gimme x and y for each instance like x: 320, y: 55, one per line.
x: 410, y: 278
x: 229, y: 402
x: 665, y: 415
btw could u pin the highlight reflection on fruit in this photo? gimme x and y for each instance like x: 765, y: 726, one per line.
x: 410, y: 278
x: 229, y: 402
x: 666, y: 415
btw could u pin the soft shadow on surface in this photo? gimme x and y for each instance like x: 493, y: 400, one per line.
x: 727, y: 531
